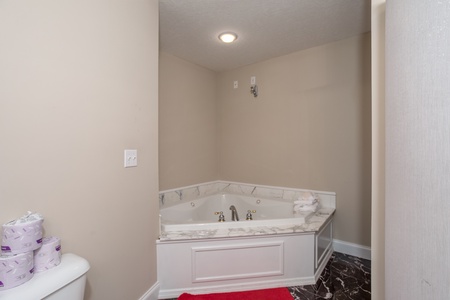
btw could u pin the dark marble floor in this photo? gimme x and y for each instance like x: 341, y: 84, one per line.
x: 344, y: 278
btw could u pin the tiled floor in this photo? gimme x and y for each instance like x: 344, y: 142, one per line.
x: 344, y: 278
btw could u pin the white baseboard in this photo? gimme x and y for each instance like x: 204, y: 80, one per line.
x: 352, y: 249
x: 152, y: 293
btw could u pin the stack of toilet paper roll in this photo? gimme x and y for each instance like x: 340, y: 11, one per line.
x: 24, y: 251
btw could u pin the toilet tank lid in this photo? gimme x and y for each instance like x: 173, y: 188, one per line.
x: 44, y: 283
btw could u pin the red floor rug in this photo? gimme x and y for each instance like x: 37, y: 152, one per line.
x: 268, y: 294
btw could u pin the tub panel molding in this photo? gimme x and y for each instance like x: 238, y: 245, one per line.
x: 324, y: 243
x: 204, y: 266
x: 237, y: 261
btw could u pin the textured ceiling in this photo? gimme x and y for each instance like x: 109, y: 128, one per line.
x: 189, y: 29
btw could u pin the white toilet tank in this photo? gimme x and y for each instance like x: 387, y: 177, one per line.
x: 63, y: 282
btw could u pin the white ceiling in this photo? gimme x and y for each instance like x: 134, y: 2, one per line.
x: 189, y: 29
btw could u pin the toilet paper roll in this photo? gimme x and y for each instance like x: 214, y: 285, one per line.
x: 22, y: 235
x: 15, y: 269
x: 49, y: 255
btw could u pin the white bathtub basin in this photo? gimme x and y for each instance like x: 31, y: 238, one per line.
x: 201, y: 214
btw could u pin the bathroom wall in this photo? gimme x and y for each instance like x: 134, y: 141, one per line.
x: 310, y: 127
x: 187, y: 126
x: 78, y: 85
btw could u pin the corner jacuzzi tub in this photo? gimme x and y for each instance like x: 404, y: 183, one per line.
x: 198, y: 254
x: 203, y: 214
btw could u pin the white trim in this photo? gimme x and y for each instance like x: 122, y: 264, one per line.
x: 152, y: 293
x: 352, y: 249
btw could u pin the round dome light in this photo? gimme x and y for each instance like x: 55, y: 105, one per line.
x: 228, y: 37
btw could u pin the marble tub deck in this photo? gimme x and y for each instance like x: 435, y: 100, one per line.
x: 344, y: 278
x: 313, y: 224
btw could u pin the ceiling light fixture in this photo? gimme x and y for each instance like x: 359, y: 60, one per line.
x: 228, y: 37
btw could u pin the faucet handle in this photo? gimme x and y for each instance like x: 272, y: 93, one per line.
x: 249, y: 214
x: 221, y: 216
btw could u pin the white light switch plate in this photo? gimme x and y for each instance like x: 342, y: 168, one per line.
x: 130, y: 158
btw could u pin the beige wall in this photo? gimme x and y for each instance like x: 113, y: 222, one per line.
x: 308, y: 128
x: 78, y: 85
x: 378, y: 149
x: 187, y: 126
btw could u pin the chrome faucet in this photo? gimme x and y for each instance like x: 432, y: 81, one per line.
x: 234, y: 213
